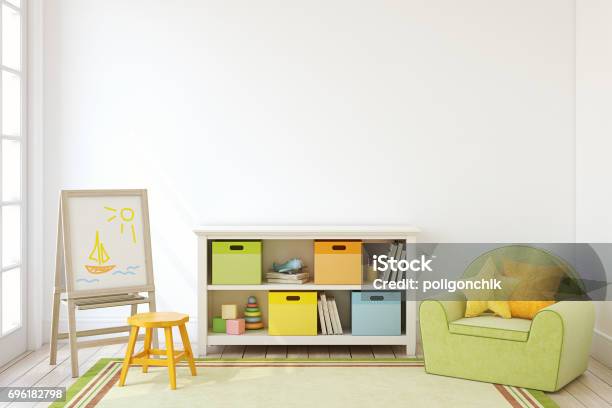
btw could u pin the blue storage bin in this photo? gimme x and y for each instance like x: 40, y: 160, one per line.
x: 376, y: 313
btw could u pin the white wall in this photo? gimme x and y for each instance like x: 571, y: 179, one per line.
x: 593, y: 141
x: 454, y: 116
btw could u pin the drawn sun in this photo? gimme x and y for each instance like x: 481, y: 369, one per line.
x: 126, y: 215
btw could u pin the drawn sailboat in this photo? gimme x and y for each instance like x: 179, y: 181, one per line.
x: 99, y: 255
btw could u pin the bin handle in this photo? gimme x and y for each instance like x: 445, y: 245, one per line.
x: 339, y: 247
x: 377, y: 297
x: 293, y: 298
x: 236, y: 247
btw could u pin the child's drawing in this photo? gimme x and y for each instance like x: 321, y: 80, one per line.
x: 127, y: 216
x: 99, y: 255
x: 113, y: 225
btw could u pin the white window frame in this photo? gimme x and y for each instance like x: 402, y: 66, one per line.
x: 22, y: 138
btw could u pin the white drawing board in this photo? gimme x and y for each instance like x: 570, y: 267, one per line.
x: 106, y: 241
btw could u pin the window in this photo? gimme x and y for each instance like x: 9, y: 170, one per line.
x: 12, y: 154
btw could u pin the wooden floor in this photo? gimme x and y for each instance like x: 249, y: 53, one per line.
x: 592, y: 389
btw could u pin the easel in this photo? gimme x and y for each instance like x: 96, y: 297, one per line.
x: 82, y: 300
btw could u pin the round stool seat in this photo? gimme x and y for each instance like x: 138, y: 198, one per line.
x: 158, y: 319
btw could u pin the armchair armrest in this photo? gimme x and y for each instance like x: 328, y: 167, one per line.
x: 453, y: 305
x: 577, y: 320
x: 434, y: 318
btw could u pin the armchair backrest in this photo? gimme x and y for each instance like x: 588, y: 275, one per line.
x: 571, y: 285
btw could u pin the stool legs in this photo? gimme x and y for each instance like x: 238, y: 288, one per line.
x: 187, y: 347
x: 144, y: 357
x: 147, y: 349
x: 128, y: 355
x: 170, y: 354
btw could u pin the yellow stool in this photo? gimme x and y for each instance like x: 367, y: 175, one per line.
x: 158, y: 320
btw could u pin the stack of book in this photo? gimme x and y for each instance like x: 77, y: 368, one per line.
x: 396, y: 251
x: 328, y: 315
x: 280, y: 277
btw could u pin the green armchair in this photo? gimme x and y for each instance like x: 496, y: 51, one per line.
x: 545, y: 353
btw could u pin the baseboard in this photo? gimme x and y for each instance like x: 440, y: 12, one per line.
x: 601, y: 349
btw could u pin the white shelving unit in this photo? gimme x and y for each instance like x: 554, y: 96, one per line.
x: 280, y: 243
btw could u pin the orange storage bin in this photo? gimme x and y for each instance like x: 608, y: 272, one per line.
x: 337, y: 263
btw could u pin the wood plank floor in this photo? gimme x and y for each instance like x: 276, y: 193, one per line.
x: 592, y: 389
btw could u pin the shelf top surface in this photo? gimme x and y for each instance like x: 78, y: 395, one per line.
x: 287, y: 286
x: 306, y: 229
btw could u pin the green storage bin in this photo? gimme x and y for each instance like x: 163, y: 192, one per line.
x: 236, y: 263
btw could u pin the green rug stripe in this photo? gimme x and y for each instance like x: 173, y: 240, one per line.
x: 542, y: 398
x: 82, y: 382
x: 107, y: 377
x: 518, y: 397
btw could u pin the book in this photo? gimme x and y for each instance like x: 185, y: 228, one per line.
x: 401, y: 275
x: 321, y: 318
x: 326, y: 314
x: 332, y: 316
x: 337, y: 316
x: 392, y: 250
x: 398, y: 256
x: 288, y: 276
x: 398, y: 251
x: 289, y: 281
x: 387, y: 274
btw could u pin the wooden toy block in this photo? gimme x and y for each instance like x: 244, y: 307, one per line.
x: 218, y: 325
x: 235, y: 326
x: 229, y: 312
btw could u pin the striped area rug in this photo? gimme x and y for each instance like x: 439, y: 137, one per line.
x: 296, y: 383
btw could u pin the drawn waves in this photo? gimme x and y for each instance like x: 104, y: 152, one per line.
x: 94, y: 280
x: 129, y: 270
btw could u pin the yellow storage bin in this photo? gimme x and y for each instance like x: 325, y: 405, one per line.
x: 337, y: 262
x: 292, y: 313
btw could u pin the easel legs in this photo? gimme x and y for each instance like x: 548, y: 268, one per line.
x: 134, y: 310
x: 54, y: 329
x: 74, y: 353
x: 153, y: 308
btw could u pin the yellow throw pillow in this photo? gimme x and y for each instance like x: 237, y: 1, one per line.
x: 475, y: 308
x: 483, y: 300
x: 527, y: 309
x: 536, y: 288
